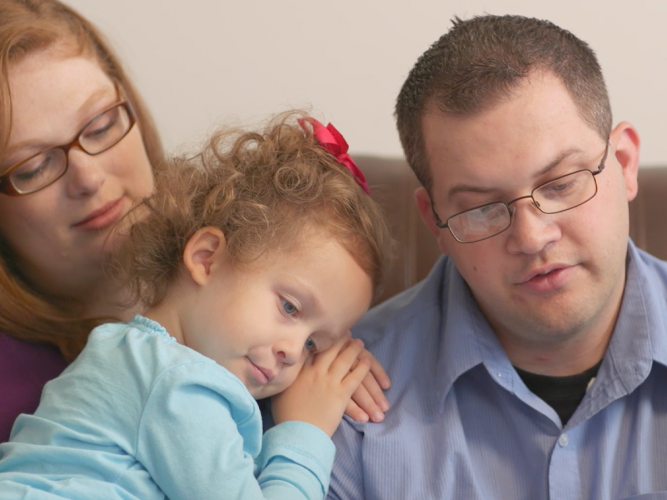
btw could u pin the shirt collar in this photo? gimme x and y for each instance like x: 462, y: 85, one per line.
x: 467, y: 338
x: 640, y: 334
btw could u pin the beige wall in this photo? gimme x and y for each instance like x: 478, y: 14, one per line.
x: 202, y: 62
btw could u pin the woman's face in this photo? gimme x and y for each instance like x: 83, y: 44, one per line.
x: 60, y: 235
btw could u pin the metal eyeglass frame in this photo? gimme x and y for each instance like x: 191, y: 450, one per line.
x: 445, y: 225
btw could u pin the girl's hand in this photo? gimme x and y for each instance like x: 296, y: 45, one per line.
x: 323, y: 389
x: 368, y: 401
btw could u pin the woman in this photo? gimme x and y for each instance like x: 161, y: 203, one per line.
x: 77, y: 151
x: 58, y: 79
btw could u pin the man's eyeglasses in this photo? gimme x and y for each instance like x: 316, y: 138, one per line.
x: 558, y: 195
x: 44, y: 168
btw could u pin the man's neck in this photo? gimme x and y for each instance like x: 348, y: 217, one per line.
x: 565, y: 354
x: 558, y: 359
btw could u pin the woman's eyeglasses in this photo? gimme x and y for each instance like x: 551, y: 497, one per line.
x: 44, y: 168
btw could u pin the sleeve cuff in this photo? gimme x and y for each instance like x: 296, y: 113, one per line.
x: 301, y: 443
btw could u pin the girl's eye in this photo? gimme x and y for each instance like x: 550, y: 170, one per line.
x: 289, y: 308
x: 310, y: 345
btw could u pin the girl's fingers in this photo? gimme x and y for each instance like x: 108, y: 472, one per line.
x: 325, y: 358
x: 355, y: 412
x: 366, y: 404
x: 371, y: 399
x: 347, y: 359
x: 372, y: 386
x: 354, y: 378
x: 377, y: 370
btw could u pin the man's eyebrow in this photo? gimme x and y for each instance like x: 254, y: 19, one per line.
x: 565, y: 155
x: 469, y: 188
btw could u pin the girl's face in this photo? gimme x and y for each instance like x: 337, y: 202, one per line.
x: 60, y: 235
x: 262, y: 324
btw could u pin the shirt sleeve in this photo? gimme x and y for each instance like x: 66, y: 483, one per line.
x: 347, y: 479
x: 285, y: 447
x: 198, y: 436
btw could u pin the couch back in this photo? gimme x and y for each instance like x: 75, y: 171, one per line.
x: 393, y: 184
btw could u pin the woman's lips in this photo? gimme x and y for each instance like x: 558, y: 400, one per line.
x: 102, y: 217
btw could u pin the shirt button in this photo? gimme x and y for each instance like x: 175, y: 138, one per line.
x: 563, y: 440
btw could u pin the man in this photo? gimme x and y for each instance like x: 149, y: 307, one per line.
x: 532, y: 361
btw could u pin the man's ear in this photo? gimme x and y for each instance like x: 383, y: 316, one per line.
x: 625, y: 141
x: 426, y: 210
x: 203, y: 251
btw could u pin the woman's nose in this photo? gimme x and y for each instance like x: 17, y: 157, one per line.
x: 84, y: 175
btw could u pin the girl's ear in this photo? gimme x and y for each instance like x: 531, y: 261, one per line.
x: 206, y: 248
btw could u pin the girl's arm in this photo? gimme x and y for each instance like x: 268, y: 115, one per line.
x: 200, y: 437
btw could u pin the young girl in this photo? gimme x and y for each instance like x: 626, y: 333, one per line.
x: 254, y: 259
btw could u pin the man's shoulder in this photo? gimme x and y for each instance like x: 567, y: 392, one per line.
x: 406, y: 310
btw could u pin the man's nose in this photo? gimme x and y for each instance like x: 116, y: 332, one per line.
x: 531, y: 230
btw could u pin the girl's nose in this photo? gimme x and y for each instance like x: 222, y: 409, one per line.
x: 289, y: 351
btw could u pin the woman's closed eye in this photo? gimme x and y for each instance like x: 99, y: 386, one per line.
x: 35, y: 167
x: 100, y: 128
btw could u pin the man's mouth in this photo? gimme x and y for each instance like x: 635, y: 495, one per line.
x: 546, y: 278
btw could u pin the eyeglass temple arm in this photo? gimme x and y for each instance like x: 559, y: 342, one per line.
x: 604, y: 159
x: 6, y: 186
x: 438, y: 222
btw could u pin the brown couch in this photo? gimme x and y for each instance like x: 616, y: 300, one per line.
x: 393, y: 184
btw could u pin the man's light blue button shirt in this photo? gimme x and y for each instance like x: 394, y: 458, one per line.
x: 463, y: 425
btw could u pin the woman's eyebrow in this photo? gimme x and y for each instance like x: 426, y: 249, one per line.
x: 95, y: 98
x: 38, y: 145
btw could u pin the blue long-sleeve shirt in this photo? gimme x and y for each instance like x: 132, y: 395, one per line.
x: 140, y: 416
x: 463, y: 425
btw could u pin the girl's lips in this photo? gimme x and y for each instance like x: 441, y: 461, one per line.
x: 102, y: 217
x: 548, y: 281
x: 262, y: 375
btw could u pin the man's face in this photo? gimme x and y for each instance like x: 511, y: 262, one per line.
x: 548, y: 277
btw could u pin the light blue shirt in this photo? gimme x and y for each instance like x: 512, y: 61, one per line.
x: 140, y: 416
x: 463, y: 425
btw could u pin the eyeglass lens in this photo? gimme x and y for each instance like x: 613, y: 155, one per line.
x: 558, y: 195
x: 103, y: 132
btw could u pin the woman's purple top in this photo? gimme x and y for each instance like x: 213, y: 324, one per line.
x: 24, y: 369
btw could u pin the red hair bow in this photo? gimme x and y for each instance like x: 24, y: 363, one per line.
x: 333, y: 142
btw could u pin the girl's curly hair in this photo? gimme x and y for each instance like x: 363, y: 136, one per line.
x: 264, y: 190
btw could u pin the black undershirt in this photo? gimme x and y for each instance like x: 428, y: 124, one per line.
x: 563, y: 394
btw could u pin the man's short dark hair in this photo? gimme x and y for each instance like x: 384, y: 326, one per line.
x: 480, y: 62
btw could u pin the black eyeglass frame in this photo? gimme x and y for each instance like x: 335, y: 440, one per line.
x: 8, y: 188
x: 445, y: 225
